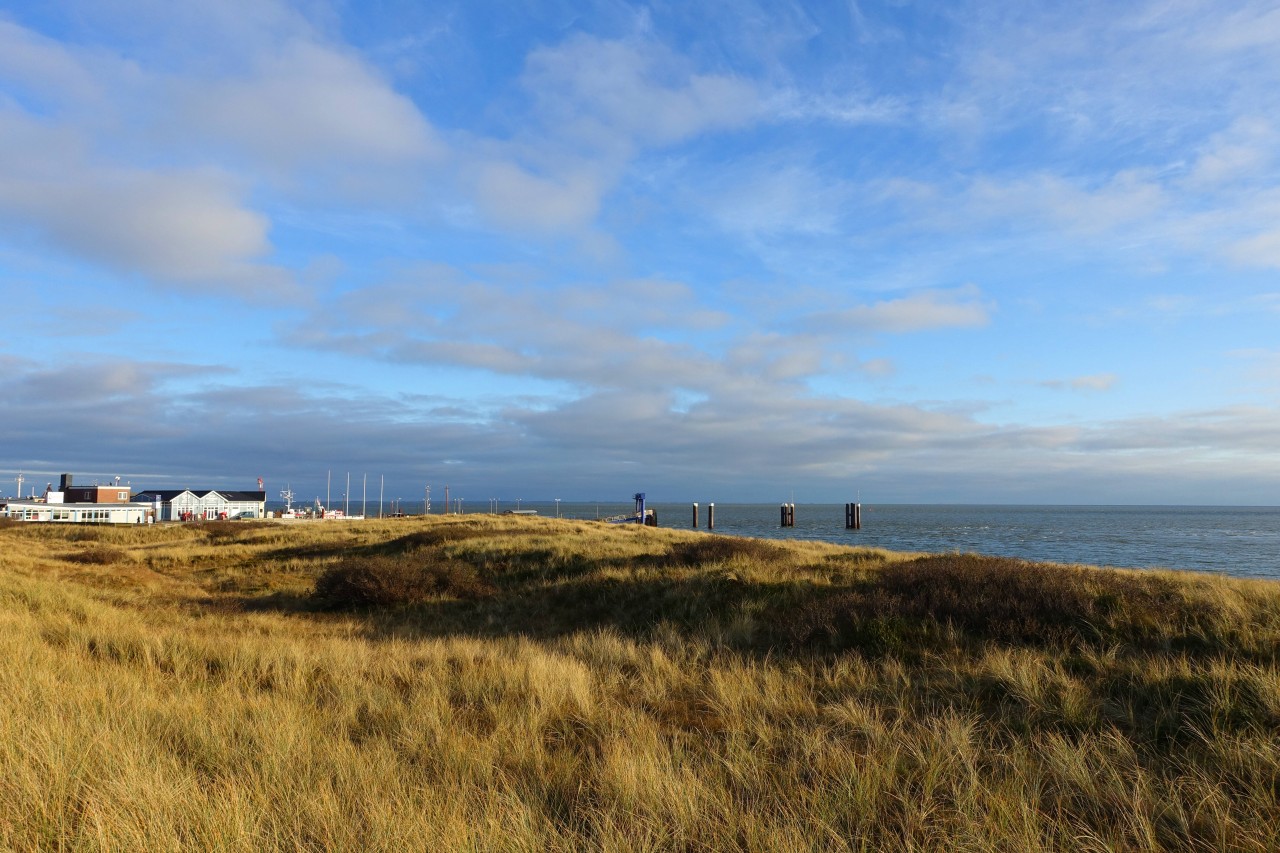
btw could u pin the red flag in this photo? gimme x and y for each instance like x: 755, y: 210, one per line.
x: 259, y: 484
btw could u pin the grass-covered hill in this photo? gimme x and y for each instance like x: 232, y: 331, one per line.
x: 508, y: 683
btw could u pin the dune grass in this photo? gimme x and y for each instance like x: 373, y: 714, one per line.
x: 514, y: 683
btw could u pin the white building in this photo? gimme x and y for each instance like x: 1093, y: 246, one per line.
x: 187, y: 505
x: 81, y: 513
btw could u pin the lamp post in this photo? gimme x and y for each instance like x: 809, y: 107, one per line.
x: 557, y: 507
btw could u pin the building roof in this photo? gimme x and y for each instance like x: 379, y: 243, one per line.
x: 228, y: 494
x: 242, y: 496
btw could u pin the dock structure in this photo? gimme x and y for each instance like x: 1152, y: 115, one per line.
x: 853, y: 516
x: 642, y: 515
x: 788, y: 517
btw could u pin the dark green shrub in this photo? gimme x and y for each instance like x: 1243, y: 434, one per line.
x: 719, y: 549
x: 383, y: 580
x: 101, y: 555
x: 228, y: 530
x: 995, y: 598
x: 439, y: 535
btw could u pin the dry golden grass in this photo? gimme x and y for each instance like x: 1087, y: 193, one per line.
x: 620, y: 688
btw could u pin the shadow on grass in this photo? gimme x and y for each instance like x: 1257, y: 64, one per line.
x: 995, y: 599
x: 1110, y: 648
x: 905, y: 610
x: 435, y: 537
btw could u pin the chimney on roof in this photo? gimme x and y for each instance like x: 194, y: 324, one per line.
x: 66, y: 483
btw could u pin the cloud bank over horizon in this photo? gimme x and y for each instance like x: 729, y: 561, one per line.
x: 987, y: 254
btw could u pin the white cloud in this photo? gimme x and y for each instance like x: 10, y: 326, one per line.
x: 961, y: 307
x: 305, y: 106
x: 29, y: 60
x: 839, y: 109
x: 147, y: 167
x: 596, y: 105
x: 1134, y: 77
x: 1260, y: 250
x: 514, y: 197
x: 43, y: 389
x: 1243, y: 152
x: 1263, y: 364
x: 605, y: 93
x: 760, y: 200
x: 176, y: 226
x: 1093, y: 382
x: 623, y: 333
x: 1254, y: 26
x: 1126, y: 199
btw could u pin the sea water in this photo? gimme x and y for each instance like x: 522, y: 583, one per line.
x: 1239, y: 541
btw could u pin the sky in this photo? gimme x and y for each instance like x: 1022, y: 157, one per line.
x: 991, y: 252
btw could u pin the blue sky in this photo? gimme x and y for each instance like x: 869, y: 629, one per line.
x: 988, y: 252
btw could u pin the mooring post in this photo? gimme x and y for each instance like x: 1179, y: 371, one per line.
x: 695, y: 516
x: 711, y: 516
x: 857, y: 516
x: 788, y: 515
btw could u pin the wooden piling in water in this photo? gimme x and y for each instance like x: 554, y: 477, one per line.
x: 695, y: 516
x: 853, y: 516
x: 711, y: 516
x: 788, y: 515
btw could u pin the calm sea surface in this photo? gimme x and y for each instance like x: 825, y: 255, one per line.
x: 1240, y: 541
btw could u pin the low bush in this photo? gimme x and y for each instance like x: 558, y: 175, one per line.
x: 229, y: 530
x: 994, y: 598
x: 101, y: 555
x: 383, y: 580
x: 721, y: 549
x: 434, y: 537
